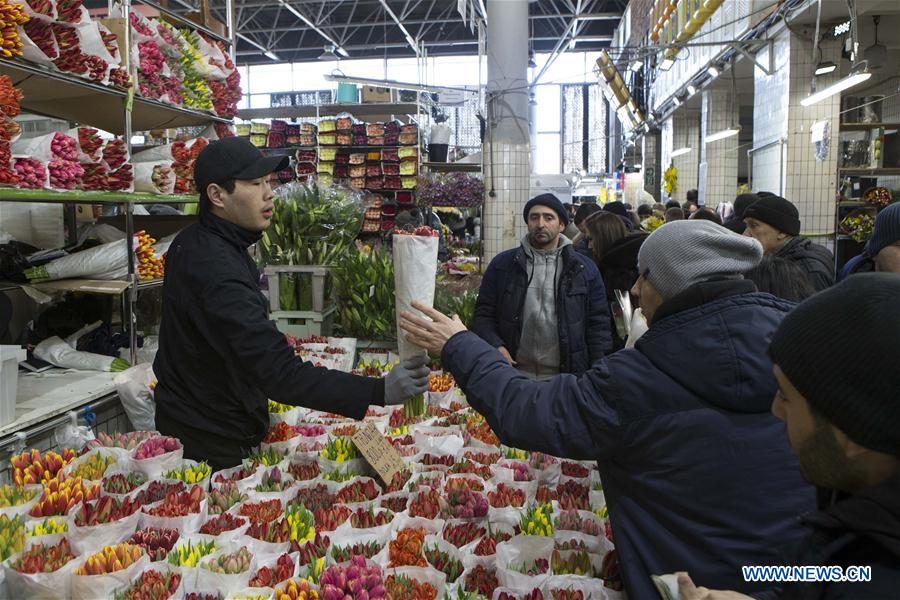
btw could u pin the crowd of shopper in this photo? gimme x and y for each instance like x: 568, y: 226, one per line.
x: 755, y: 422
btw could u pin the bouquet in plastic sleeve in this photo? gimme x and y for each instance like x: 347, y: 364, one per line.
x: 196, y: 89
x: 106, y: 261
x: 311, y: 225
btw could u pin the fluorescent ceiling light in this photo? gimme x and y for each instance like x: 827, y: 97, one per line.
x: 691, y: 90
x: 680, y: 151
x: 836, y: 88
x: 713, y: 72
x: 721, y: 135
x: 394, y: 84
x: 271, y: 55
x: 636, y: 65
x: 666, y: 64
x: 823, y: 68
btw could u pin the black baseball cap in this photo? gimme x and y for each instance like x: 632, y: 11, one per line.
x: 232, y: 158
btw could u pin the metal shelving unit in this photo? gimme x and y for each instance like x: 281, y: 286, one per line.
x: 380, y: 111
x: 62, y: 95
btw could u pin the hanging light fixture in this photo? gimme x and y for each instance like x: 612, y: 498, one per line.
x: 826, y: 67
x: 691, y: 90
x: 329, y: 54
x: 735, y: 128
x: 666, y: 64
x: 713, y: 71
x: 686, y: 148
x: 858, y: 74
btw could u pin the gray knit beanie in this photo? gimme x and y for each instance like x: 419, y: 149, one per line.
x: 682, y: 253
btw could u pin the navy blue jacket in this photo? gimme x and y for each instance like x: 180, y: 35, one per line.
x: 697, y: 472
x: 581, y: 310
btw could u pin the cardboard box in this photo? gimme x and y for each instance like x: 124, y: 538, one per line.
x: 208, y: 21
x: 371, y: 94
x: 117, y: 27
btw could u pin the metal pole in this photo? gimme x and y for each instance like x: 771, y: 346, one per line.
x: 129, y: 318
x: 232, y: 29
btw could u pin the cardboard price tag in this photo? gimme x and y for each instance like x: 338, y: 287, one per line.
x: 380, y: 455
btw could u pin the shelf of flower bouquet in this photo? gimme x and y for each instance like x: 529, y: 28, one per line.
x: 868, y: 126
x: 375, y: 111
x: 51, y: 196
x: 54, y: 93
x: 866, y: 172
x: 457, y: 167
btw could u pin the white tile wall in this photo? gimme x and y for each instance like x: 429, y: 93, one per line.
x: 686, y: 130
x: 509, y: 172
x: 809, y: 183
x: 681, y: 129
x: 793, y: 170
x: 720, y: 156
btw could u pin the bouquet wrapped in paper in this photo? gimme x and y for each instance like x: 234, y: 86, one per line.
x: 415, y: 268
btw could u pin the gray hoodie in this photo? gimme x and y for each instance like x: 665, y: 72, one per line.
x: 538, y: 355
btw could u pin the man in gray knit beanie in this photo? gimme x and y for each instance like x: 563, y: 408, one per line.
x: 698, y: 472
x: 681, y: 254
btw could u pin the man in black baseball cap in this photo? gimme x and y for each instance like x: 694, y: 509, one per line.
x: 220, y: 356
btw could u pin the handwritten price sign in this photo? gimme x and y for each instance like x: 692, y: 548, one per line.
x: 380, y: 455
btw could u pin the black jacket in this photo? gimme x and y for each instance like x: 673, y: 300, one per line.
x: 619, y: 270
x: 858, y: 530
x: 220, y: 357
x: 619, y: 265
x: 581, y: 308
x: 815, y: 260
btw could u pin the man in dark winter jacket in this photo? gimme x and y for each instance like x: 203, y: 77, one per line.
x: 220, y: 357
x: 836, y: 358
x: 741, y: 204
x: 619, y: 269
x: 543, y: 305
x: 695, y: 468
x: 775, y: 223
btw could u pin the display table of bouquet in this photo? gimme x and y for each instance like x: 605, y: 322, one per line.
x: 42, y: 396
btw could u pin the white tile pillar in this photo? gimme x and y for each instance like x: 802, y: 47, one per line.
x: 717, y: 113
x: 786, y: 162
x: 810, y: 182
x: 684, y: 131
x: 506, y: 148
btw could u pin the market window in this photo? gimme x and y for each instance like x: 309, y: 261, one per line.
x: 547, y: 154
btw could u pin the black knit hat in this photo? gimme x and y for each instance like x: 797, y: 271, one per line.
x: 841, y: 350
x: 551, y: 202
x: 775, y: 211
x: 742, y: 202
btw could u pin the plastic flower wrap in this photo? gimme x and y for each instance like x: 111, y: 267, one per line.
x: 196, y: 89
x: 454, y: 189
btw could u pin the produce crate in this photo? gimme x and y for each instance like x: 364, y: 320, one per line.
x: 312, y: 284
x: 304, y: 323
